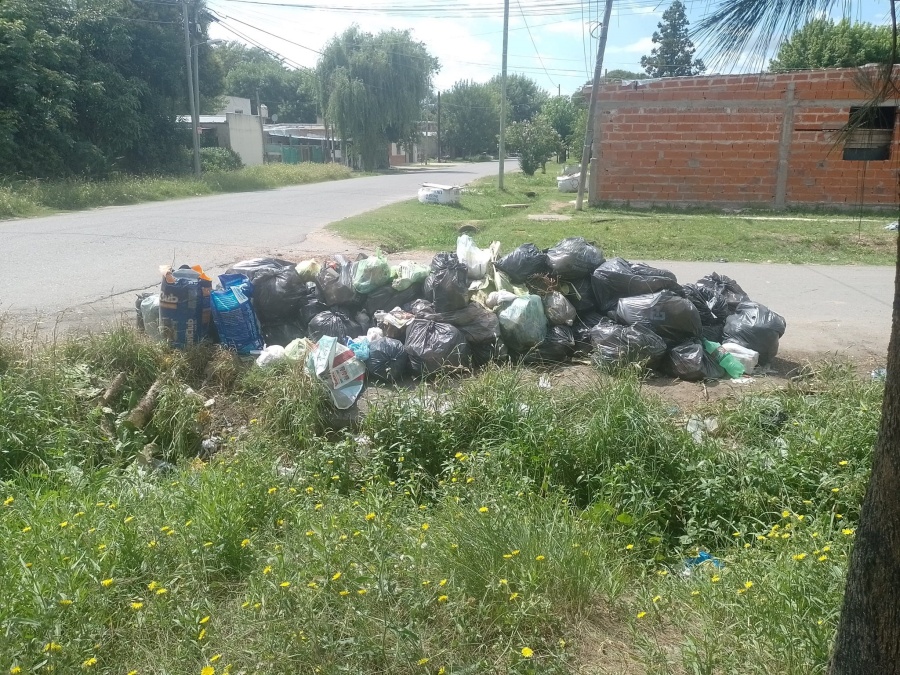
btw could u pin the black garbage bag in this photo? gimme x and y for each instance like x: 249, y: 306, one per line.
x: 419, y: 306
x: 558, y: 346
x: 713, y: 333
x: 726, y: 287
x: 617, y: 278
x: 335, y: 280
x: 580, y: 294
x: 484, y: 353
x: 710, y: 304
x: 616, y: 345
x: 333, y: 323
x: 388, y: 360
x: 359, y: 319
x: 433, y: 347
x: 278, y: 291
x: 523, y: 262
x: 581, y: 329
x: 559, y: 311
x: 690, y: 362
x: 447, y: 286
x: 282, y: 333
x: 755, y: 327
x: 670, y: 316
x: 574, y: 258
x: 386, y: 298
x: 478, y: 323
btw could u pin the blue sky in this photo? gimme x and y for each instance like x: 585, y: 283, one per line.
x: 550, y: 42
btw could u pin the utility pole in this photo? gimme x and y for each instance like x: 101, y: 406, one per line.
x: 439, y: 129
x: 194, y: 124
x: 592, y: 110
x: 503, y: 92
x: 558, y: 90
x: 196, y: 57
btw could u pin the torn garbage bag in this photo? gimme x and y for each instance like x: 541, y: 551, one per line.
x: 524, y: 262
x: 339, y: 370
x: 616, y: 345
x: 690, y: 362
x: 388, y: 360
x: 447, y: 285
x: 574, y: 258
x: 670, y: 316
x: 755, y: 327
x: 335, y: 280
x: 726, y: 287
x: 714, y: 301
x: 523, y: 324
x: 434, y: 347
x: 617, y: 278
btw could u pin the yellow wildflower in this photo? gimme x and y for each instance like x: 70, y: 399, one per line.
x: 527, y: 652
x: 202, y: 634
x: 204, y: 620
x: 107, y: 583
x: 483, y: 509
x: 27, y: 528
x: 64, y: 524
x: 89, y: 663
x: 657, y: 598
x: 843, y: 462
x: 15, y: 670
x: 799, y: 557
x: 245, y: 543
x: 207, y: 670
x: 425, y: 527
x: 161, y: 591
x: 422, y: 661
x: 442, y: 582
x: 847, y: 531
x: 137, y: 605
x: 362, y: 591
x: 273, y: 490
x: 285, y: 584
x: 128, y: 519
x: 8, y: 501
x: 513, y: 596
x: 443, y: 598
x: 715, y: 578
x: 65, y: 602
x: 336, y: 576
x: 344, y: 593
x: 152, y: 586
x: 823, y: 558
x: 629, y: 547
x: 641, y: 615
x: 52, y: 647
x: 370, y: 516
x: 213, y: 659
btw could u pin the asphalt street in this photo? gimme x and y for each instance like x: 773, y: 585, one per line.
x: 82, y: 268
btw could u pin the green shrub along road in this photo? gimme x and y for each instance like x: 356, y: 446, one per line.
x: 749, y: 236
x: 506, y: 529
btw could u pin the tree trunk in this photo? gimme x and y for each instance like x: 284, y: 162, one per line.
x: 868, y: 636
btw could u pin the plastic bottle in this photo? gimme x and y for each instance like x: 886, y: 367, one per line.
x: 731, y: 365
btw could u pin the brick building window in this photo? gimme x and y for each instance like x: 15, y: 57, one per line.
x: 870, y: 139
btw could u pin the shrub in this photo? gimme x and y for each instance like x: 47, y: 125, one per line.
x: 219, y: 159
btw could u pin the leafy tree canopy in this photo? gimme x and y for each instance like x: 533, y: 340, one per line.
x: 372, y: 88
x: 564, y: 116
x: 524, y: 98
x: 822, y: 43
x: 471, y: 118
x: 535, y: 141
x: 619, y: 74
x: 674, y: 54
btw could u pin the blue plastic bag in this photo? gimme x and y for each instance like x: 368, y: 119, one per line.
x: 360, y: 348
x: 233, y: 314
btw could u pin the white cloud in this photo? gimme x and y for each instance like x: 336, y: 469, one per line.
x: 642, y: 46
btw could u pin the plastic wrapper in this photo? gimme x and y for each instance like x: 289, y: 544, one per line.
x: 394, y: 323
x: 524, y: 262
x: 574, y: 258
x: 184, y: 306
x: 360, y: 347
x: 557, y: 346
x: 477, y: 260
x: 670, y: 316
x: 559, y: 311
x: 407, y: 274
x: 335, y: 281
x: 333, y: 324
x: 339, y: 370
x: 447, y: 285
x: 477, y: 323
x: 434, y: 347
x: 388, y: 360
x: 233, y: 315
x: 690, y: 362
x: 615, y: 345
x: 371, y: 273
x: 746, y: 357
x: 726, y: 287
x: 755, y: 327
x: 523, y: 324
x: 617, y: 278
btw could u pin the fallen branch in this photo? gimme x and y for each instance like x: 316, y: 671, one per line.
x: 143, y: 411
x: 114, y: 390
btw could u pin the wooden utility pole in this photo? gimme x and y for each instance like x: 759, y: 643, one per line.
x: 503, y: 92
x: 592, y: 110
x: 439, y: 128
x: 195, y: 53
x: 194, y: 122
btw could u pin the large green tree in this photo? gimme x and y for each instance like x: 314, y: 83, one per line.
x: 524, y: 97
x: 535, y: 141
x: 564, y: 115
x: 372, y: 88
x: 674, y: 54
x: 824, y: 43
x: 471, y: 118
x: 868, y: 636
x: 619, y: 74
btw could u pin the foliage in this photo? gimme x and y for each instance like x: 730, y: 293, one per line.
x: 564, y: 116
x: 67, y: 69
x: 827, y: 238
x: 535, y: 141
x: 250, y: 73
x: 619, y: 74
x: 372, y: 88
x: 220, y: 159
x: 471, y: 118
x: 822, y: 43
x: 524, y: 98
x: 674, y: 55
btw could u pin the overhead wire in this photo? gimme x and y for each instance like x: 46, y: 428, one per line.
x: 533, y: 43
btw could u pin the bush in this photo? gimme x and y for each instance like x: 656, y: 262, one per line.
x: 219, y: 159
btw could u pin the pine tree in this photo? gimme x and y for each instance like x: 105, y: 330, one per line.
x: 674, y: 57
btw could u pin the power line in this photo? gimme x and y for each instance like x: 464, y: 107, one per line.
x: 533, y: 44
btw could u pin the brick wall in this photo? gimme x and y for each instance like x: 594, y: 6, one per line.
x: 761, y: 140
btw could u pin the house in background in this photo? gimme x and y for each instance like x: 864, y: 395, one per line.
x: 772, y: 140
x: 233, y: 127
x: 295, y: 143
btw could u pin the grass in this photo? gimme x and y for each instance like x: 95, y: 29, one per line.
x: 794, y: 237
x: 500, y: 528
x: 33, y: 198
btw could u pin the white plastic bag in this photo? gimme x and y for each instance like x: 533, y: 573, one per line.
x: 476, y: 259
x: 150, y: 315
x: 338, y: 368
x: 747, y: 357
x: 270, y: 354
x: 497, y: 298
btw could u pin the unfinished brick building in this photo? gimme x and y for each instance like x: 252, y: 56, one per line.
x: 769, y: 141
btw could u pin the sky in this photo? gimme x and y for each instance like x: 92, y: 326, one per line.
x: 552, y: 42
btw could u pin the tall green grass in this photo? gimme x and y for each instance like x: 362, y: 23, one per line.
x: 28, y: 198
x: 484, y: 525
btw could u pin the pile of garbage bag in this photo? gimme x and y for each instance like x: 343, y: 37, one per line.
x: 466, y: 309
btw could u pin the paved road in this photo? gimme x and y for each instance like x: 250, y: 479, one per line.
x: 87, y: 265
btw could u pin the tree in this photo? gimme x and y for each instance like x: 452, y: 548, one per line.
x: 674, y: 57
x: 619, y: 74
x: 535, y: 141
x: 471, y: 118
x: 868, y: 635
x: 524, y: 98
x: 822, y: 43
x: 372, y: 88
x: 563, y: 116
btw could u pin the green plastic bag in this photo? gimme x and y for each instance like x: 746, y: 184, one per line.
x: 371, y: 273
x: 408, y: 273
